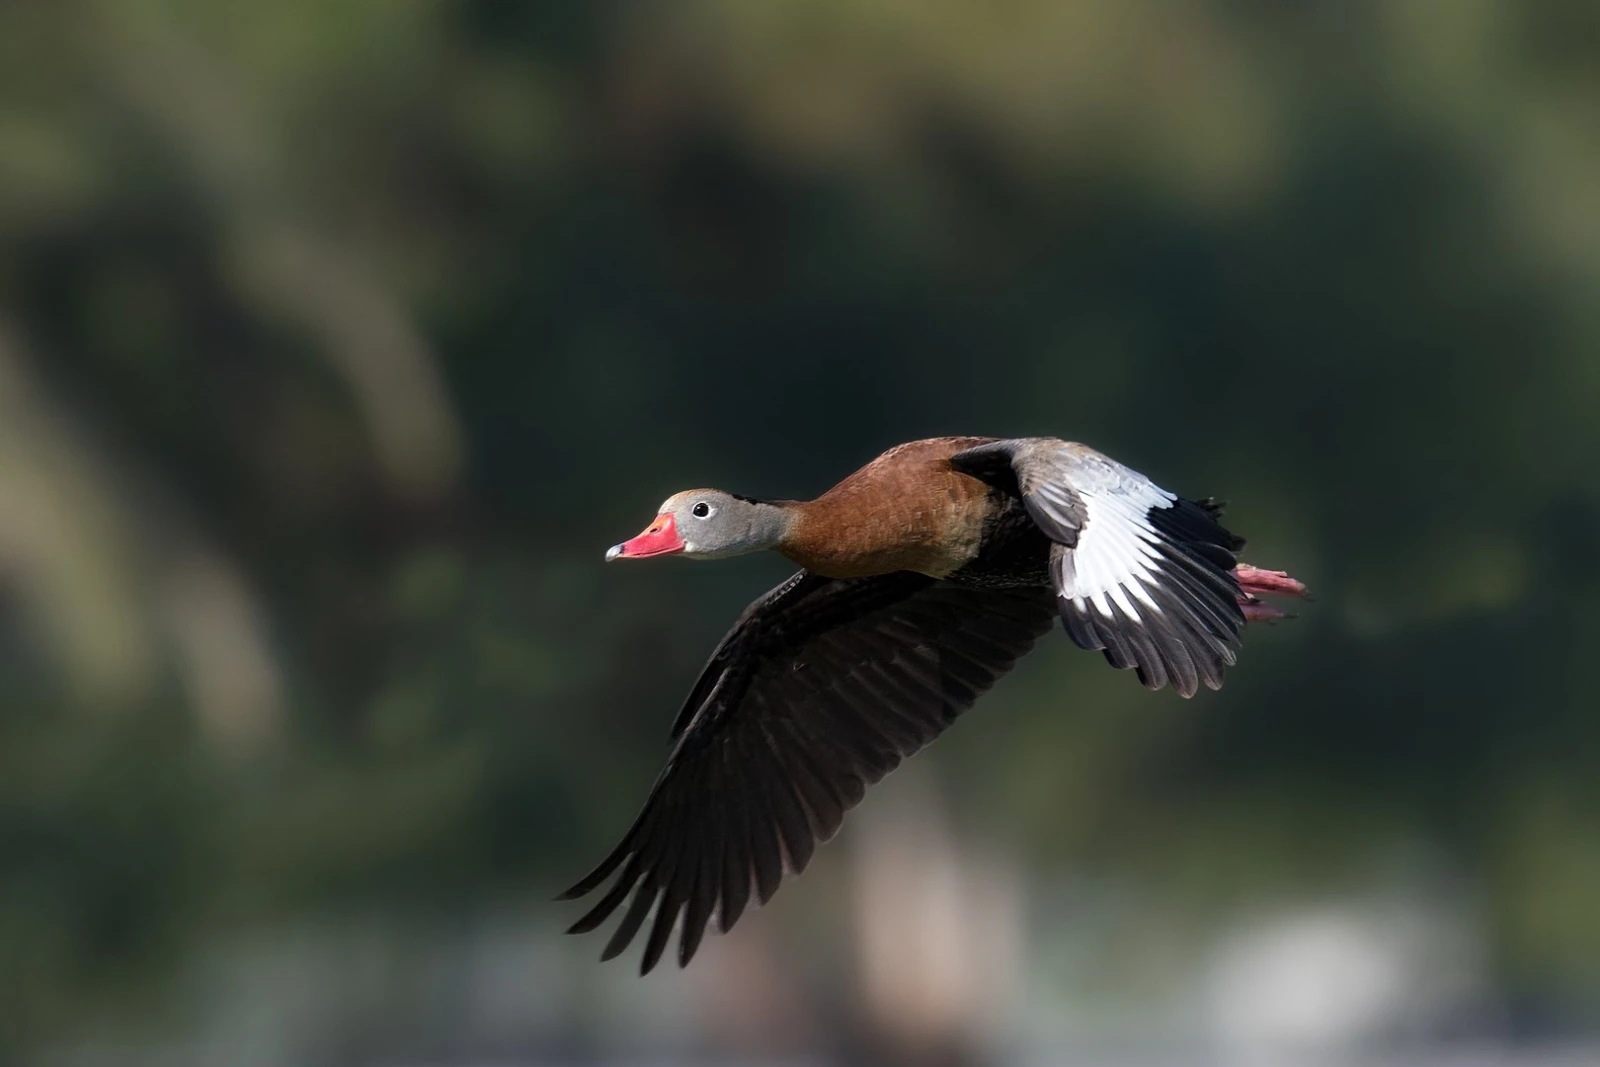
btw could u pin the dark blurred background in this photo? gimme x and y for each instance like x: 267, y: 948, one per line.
x: 339, y: 340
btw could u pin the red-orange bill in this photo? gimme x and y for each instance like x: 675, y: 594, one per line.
x: 658, y: 539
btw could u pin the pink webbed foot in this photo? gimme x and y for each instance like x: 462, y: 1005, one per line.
x: 1254, y: 582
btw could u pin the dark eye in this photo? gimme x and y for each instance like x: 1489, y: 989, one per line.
x: 700, y: 510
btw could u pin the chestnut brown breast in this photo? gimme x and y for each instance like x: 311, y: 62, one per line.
x: 907, y: 510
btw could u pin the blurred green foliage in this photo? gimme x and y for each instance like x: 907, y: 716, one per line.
x: 338, y: 340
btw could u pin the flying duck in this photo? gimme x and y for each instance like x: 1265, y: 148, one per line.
x: 924, y: 576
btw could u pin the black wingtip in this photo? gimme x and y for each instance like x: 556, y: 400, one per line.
x: 1196, y: 524
x: 597, y: 877
x: 595, y: 917
x: 589, y: 884
x: 654, y: 949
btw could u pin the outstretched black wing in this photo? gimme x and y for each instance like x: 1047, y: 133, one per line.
x: 821, y: 688
x: 1139, y: 572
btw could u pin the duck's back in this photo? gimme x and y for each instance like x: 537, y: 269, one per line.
x: 910, y: 510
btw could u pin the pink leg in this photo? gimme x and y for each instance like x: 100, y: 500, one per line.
x: 1253, y: 582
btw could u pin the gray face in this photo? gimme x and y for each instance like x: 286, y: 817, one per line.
x: 714, y: 524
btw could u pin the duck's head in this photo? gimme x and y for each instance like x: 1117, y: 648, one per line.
x: 708, y: 524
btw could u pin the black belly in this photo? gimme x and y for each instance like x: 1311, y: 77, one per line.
x: 1012, y: 554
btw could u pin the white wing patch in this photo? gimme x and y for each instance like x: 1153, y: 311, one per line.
x: 1115, y: 558
x: 1139, y: 573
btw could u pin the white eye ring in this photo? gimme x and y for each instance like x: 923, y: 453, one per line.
x: 702, y: 510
